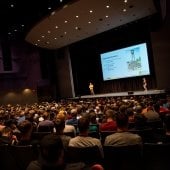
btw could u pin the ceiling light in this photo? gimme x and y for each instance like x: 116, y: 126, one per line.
x: 76, y: 28
x: 55, y: 38
x: 53, y: 13
x: 77, y: 16
x: 15, y: 30
x: 65, y: 6
x: 91, y: 11
x: 49, y: 32
x: 124, y: 10
x: 89, y: 22
x: 65, y: 32
x: 22, y: 25
x: 61, y: 0
x: 107, y: 6
x: 107, y: 16
x: 12, y: 5
x: 125, y: 1
x: 42, y: 36
x: 56, y: 26
x: 49, y: 8
x: 36, y: 44
x: 65, y: 21
x: 9, y: 33
x: 38, y: 40
x: 47, y: 42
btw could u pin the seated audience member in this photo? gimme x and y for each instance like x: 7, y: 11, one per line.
x: 67, y: 128
x: 140, y: 119
x: 52, y: 157
x: 110, y: 124
x: 73, y: 120
x: 51, y: 154
x: 46, y: 124
x: 131, y: 119
x: 151, y: 114
x: 25, y: 128
x: 166, y: 138
x: 83, y: 140
x: 7, y: 137
x: 93, y: 122
x: 59, y: 126
x: 122, y: 137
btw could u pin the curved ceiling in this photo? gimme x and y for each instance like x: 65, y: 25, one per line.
x: 85, y: 18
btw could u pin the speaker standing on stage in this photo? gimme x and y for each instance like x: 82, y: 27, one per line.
x: 91, y: 87
x: 145, y: 84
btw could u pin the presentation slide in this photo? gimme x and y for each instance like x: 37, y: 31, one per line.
x: 131, y: 61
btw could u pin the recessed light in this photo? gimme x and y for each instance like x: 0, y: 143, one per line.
x: 22, y: 25
x: 47, y: 42
x: 107, y: 16
x: 76, y: 28
x: 89, y: 22
x: 107, y: 6
x: 12, y: 5
x: 65, y: 32
x: 65, y: 6
x: 55, y: 38
x: 91, y: 11
x: 49, y: 8
x: 15, y: 30
x: 125, y: 1
x: 9, y: 33
x: 49, y: 32
x: 77, y: 16
x: 38, y: 40
x: 65, y: 21
x: 53, y: 13
x: 124, y: 10
x: 42, y: 36
x: 36, y: 44
x: 56, y: 26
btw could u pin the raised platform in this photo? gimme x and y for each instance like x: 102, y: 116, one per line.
x: 134, y: 93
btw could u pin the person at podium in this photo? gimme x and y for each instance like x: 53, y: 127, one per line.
x: 91, y: 87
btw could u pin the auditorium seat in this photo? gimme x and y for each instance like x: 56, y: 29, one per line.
x: 146, y: 134
x: 156, y: 156
x: 17, y: 157
x: 88, y: 155
x: 123, y: 157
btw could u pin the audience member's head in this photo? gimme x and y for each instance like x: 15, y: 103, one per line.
x: 110, y: 114
x: 83, y: 124
x: 25, y: 126
x: 59, y: 125
x: 52, y: 152
x: 122, y: 121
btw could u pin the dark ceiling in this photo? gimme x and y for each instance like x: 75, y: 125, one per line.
x: 18, y: 16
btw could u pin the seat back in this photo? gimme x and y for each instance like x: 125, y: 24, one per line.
x: 88, y: 155
x: 123, y: 157
x: 156, y: 156
x: 17, y: 157
x: 146, y: 134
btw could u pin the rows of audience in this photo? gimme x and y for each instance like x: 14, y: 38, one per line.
x: 121, y: 117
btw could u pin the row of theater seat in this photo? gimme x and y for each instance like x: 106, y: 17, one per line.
x: 147, y: 134
x: 147, y: 157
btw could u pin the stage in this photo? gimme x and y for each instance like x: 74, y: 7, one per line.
x: 129, y: 93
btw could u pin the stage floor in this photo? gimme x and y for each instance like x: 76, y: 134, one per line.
x: 134, y: 93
